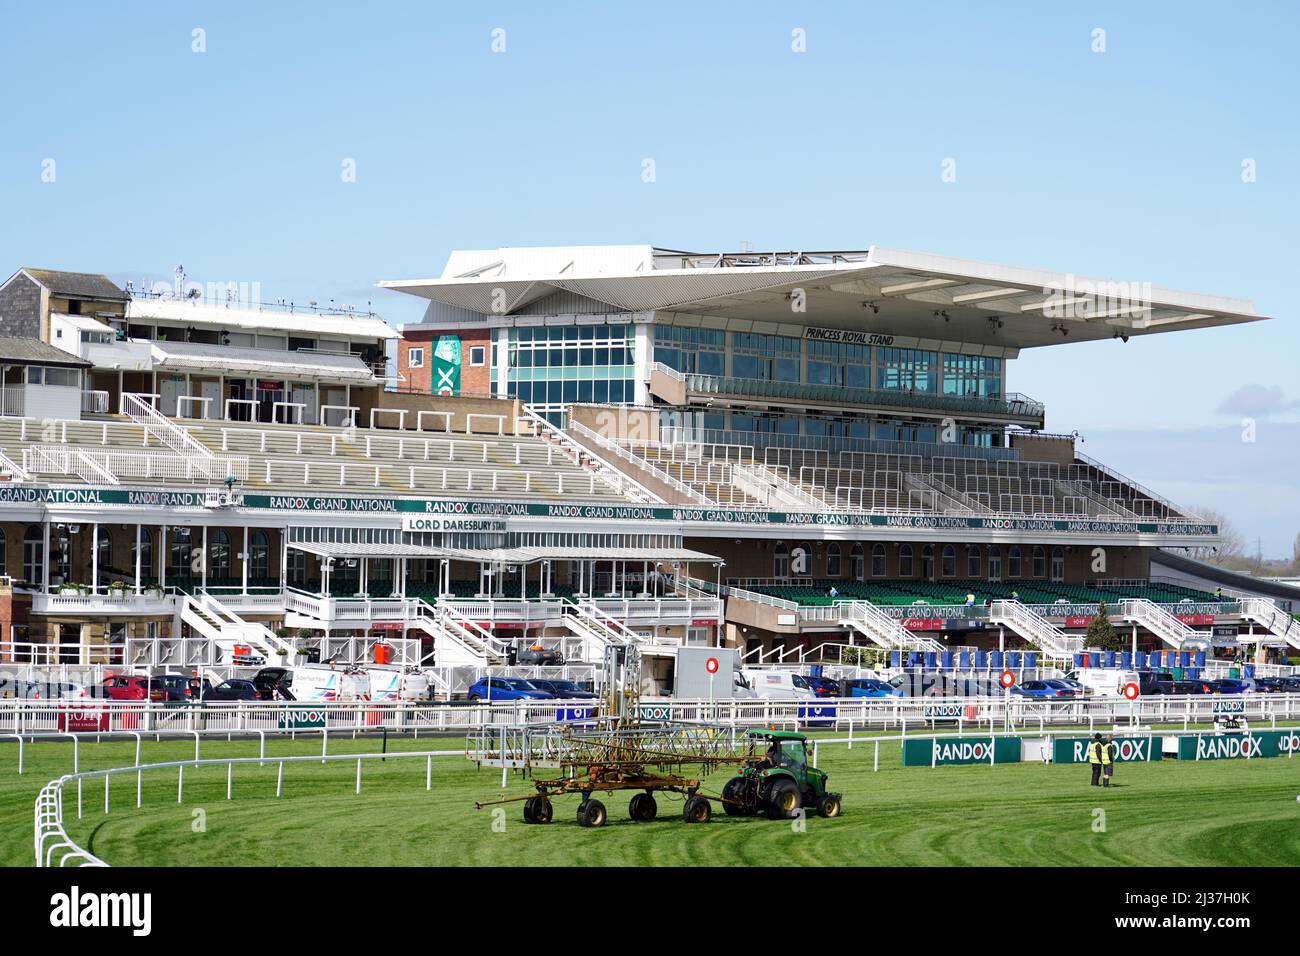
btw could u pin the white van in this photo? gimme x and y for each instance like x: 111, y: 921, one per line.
x: 1104, y: 681
x: 315, y: 683
x: 783, y: 685
x: 391, y: 683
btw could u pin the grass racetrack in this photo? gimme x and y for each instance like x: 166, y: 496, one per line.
x: 1226, y: 812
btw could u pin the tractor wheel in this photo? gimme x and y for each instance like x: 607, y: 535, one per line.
x: 783, y: 799
x: 697, y: 810
x: 529, y: 816
x: 734, y: 803
x: 643, y: 808
x: 591, y: 813
x: 828, y: 805
x: 541, y: 809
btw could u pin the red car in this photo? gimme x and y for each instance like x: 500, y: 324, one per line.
x: 121, y: 687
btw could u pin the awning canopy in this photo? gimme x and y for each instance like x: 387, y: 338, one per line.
x: 343, y: 550
x: 877, y: 293
x: 298, y: 366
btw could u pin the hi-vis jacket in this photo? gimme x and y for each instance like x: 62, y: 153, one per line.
x: 1097, y: 753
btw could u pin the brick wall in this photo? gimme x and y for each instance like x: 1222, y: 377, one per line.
x: 474, y: 379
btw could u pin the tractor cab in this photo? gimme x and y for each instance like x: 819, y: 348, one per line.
x: 779, y: 781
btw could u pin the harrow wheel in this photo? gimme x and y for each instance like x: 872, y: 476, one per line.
x: 697, y: 810
x: 529, y: 815
x: 541, y: 809
x: 591, y: 813
x: 643, y: 808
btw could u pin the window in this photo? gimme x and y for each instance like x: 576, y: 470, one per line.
x: 973, y: 561
x: 1058, y: 564
x: 833, y: 561
x: 858, y: 562
x: 927, y: 562
x: 105, y: 548
x: 1013, y: 562
x: 905, y: 561
x: 995, y: 563
x: 949, y: 566
x: 878, y: 560
x: 181, y: 553
x: 781, y: 561
x: 477, y: 355
x: 259, y: 556
x: 34, y: 554
x: 415, y: 358
x: 1040, y: 561
x: 218, y: 554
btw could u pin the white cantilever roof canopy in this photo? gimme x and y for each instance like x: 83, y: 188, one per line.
x: 325, y: 367
x: 879, y: 290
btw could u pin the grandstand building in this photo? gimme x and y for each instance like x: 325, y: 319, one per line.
x: 795, y: 454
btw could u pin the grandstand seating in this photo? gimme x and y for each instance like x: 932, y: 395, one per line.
x: 270, y: 457
x: 847, y: 480
x: 901, y: 593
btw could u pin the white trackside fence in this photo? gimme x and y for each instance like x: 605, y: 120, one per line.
x: 36, y: 717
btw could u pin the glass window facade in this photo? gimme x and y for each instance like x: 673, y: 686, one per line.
x: 694, y: 351
x: 771, y: 358
x: 554, y: 366
x: 838, y: 363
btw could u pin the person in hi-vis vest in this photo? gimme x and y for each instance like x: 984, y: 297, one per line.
x: 1109, y: 753
x: 1095, y: 751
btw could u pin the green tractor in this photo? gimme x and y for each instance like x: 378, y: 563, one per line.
x: 781, y: 782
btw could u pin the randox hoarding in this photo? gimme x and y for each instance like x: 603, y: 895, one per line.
x: 1263, y: 743
x: 1129, y: 749
x: 931, y: 752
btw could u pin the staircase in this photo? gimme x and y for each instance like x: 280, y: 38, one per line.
x: 1273, y: 618
x: 936, y: 495
x: 1162, y: 624
x: 771, y: 489
x: 198, y: 457
x: 881, y: 629
x: 228, y: 632
x: 457, y: 641
x: 597, y: 630
x: 1055, y: 644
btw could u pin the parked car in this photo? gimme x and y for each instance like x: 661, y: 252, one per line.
x: 778, y: 684
x: 1046, y: 690
x: 1155, y: 682
x: 175, y: 689
x: 127, y: 687
x: 1229, y: 685
x: 1191, y: 687
x: 1079, y: 689
x: 1276, y: 685
x: 506, y: 688
x: 563, y: 689
x: 537, y: 654
x: 1106, y: 681
x: 825, y: 686
x: 231, y: 690
x: 869, y: 687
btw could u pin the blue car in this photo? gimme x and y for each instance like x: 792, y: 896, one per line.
x: 869, y: 687
x: 1045, y: 690
x: 507, y: 688
x: 1229, y: 685
x: 563, y: 689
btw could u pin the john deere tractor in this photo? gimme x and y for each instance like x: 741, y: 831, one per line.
x: 780, y: 782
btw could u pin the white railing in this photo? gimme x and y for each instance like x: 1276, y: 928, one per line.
x: 1161, y: 623
x: 1272, y: 617
x: 1035, y: 629
x: 98, y: 464
x: 614, y: 477
x: 94, y: 402
x: 621, y: 452
x: 168, y: 433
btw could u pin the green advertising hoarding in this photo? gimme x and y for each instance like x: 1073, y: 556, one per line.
x: 1264, y: 743
x: 944, y: 752
x: 444, y: 366
x: 1075, y: 749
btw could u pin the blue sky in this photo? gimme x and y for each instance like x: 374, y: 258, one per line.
x: 1126, y: 163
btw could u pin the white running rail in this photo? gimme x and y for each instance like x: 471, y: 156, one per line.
x: 1160, y: 623
x: 1276, y: 620
x: 1033, y: 627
